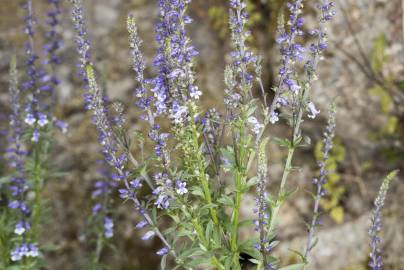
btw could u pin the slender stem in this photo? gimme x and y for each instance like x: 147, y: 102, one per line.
x: 312, y: 225
x: 38, y: 183
x: 285, y: 175
x: 288, y: 165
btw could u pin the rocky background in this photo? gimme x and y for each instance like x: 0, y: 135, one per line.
x: 363, y: 71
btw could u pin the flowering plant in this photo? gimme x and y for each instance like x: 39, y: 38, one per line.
x: 189, y: 171
x: 201, y: 166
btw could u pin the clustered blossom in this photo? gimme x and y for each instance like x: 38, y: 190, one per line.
x: 37, y: 84
x: 326, y: 9
x: 94, y: 99
x: 317, y: 48
x: 31, y: 84
x: 238, y: 80
x: 144, y: 100
x: 52, y: 45
x: 101, y: 194
x: 163, y: 191
x: 319, y: 183
x: 174, y: 84
x: 24, y: 250
x: 241, y: 56
x: 265, y: 245
x: 82, y: 40
x: 376, y: 261
x: 291, y: 51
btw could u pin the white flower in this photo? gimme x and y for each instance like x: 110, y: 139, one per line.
x: 30, y: 119
x: 181, y: 187
x: 19, y: 230
x: 312, y: 110
x: 274, y: 117
x: 256, y: 126
x: 194, y: 92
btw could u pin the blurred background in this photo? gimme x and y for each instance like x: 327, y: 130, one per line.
x: 364, y: 68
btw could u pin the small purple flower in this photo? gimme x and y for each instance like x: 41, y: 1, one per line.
x: 141, y: 224
x: 42, y: 119
x: 148, y: 235
x: 163, y: 251
x: 21, y: 227
x: 16, y: 254
x: 108, y: 227
x: 162, y: 201
x: 14, y: 204
x: 62, y: 126
x: 136, y: 184
x: 35, y: 135
x: 274, y: 117
x: 181, y: 187
x: 123, y: 193
x: 33, y: 251
x: 96, y: 208
x: 30, y: 119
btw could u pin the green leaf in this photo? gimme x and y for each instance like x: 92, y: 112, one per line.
x: 252, y: 182
x: 282, y: 142
x: 4, y: 180
x: 208, y: 231
x: 197, y: 191
x: 208, y: 206
x: 198, y: 261
x: 192, y: 252
x: 226, y: 200
x: 255, y: 261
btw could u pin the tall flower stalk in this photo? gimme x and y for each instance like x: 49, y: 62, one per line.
x: 95, y: 102
x: 298, y: 93
x: 376, y: 261
x: 52, y: 46
x: 25, y: 246
x: 101, y: 223
x: 320, y: 181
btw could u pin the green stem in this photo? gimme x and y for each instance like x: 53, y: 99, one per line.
x: 288, y: 165
x: 278, y: 203
x: 38, y: 184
